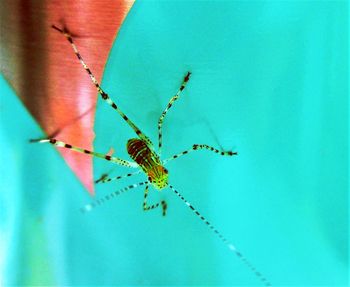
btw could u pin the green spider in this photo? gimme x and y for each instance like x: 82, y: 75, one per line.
x: 147, y: 160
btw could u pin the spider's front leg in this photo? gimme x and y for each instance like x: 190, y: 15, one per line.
x: 114, y: 159
x: 162, y: 116
x: 103, y: 94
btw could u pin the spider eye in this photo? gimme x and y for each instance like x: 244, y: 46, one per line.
x: 149, y: 179
x: 165, y: 171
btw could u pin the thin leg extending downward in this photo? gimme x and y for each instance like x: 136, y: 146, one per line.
x: 200, y: 147
x: 223, y: 239
x: 104, y: 95
x: 172, y: 100
x: 153, y: 206
x: 96, y: 154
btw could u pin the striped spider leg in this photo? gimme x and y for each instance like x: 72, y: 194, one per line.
x: 200, y: 147
x: 162, y: 116
x: 103, y: 94
x: 113, y: 159
x: 145, y: 157
x: 104, y: 177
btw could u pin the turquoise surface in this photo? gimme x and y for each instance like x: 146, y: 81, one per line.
x: 270, y: 81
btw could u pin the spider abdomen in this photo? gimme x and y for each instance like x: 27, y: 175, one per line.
x: 140, y: 152
x: 149, y: 162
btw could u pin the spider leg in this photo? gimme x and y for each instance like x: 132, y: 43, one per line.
x: 103, y: 94
x: 200, y: 147
x: 101, y: 178
x: 96, y: 154
x: 153, y: 206
x: 104, y: 199
x: 104, y: 178
x: 162, y: 116
x: 223, y: 239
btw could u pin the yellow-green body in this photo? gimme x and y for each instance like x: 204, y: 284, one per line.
x: 149, y: 162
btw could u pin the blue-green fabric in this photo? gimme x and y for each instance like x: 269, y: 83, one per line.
x: 270, y: 81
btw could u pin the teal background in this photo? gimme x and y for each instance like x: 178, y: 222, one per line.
x: 270, y: 80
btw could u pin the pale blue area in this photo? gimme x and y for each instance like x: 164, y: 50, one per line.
x: 270, y: 80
